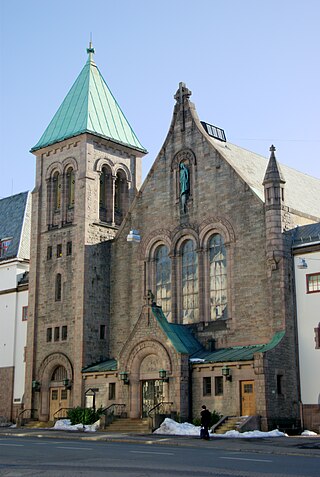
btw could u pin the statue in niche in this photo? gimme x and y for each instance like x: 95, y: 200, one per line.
x: 184, y: 186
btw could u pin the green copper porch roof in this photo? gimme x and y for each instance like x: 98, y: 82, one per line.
x: 179, y: 335
x: 90, y: 107
x: 236, y: 353
x: 109, y: 365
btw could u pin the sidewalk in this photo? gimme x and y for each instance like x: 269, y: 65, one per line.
x: 296, y: 445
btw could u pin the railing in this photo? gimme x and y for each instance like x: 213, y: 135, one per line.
x: 157, y: 413
x: 22, y: 417
x: 112, y: 412
x: 61, y: 413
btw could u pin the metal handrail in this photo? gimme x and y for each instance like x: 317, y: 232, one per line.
x: 112, y: 411
x: 111, y: 407
x: 157, y: 406
x: 59, y: 410
x: 20, y: 418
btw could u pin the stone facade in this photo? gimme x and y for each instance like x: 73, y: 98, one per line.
x: 96, y: 302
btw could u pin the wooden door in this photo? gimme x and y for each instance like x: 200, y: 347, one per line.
x: 248, y: 398
x: 59, y: 398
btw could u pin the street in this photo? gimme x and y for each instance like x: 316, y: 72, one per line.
x: 59, y: 457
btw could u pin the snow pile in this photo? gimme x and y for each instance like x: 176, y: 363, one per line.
x: 65, y: 425
x: 172, y: 427
x: 308, y: 433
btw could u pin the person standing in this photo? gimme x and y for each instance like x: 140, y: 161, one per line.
x: 205, y: 422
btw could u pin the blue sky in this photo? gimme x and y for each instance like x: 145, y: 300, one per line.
x: 252, y: 66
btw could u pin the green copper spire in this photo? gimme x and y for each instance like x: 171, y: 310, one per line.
x: 90, y: 107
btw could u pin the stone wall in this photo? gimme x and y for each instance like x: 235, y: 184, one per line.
x: 6, y: 393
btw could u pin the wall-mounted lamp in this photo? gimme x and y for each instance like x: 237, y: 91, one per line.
x: 302, y: 263
x: 36, y: 386
x: 226, y: 372
x: 163, y: 375
x: 133, y: 236
x: 67, y: 383
x: 124, y: 377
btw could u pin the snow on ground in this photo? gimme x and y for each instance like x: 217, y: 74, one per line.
x: 65, y: 425
x: 186, y: 429
x: 308, y: 433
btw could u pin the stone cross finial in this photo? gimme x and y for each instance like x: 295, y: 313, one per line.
x: 272, y: 149
x: 90, y: 51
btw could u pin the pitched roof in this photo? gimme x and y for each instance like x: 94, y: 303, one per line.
x: 13, y: 217
x: 179, y: 335
x: 90, y: 107
x: 237, y: 353
x: 306, y: 234
x: 109, y: 365
x: 302, y: 191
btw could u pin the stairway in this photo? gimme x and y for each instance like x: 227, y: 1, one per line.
x: 229, y: 424
x: 38, y: 424
x: 129, y: 426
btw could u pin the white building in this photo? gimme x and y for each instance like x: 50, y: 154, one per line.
x: 14, y: 268
x: 306, y: 250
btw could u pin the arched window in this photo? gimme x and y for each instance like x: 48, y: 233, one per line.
x: 217, y: 278
x: 163, y: 279
x: 70, y: 187
x: 56, y: 190
x: 105, y: 195
x: 58, y: 287
x: 59, y: 374
x: 189, y: 281
x: 103, y: 188
x: 120, y: 197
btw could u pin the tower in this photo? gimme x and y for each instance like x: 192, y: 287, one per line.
x: 88, y: 169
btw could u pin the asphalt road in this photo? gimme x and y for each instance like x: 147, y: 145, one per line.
x: 59, y: 457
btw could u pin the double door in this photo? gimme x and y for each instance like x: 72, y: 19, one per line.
x: 152, y: 394
x: 59, y: 398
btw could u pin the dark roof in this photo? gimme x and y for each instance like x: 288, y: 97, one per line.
x: 12, y: 214
x: 237, y: 353
x: 306, y: 234
x: 109, y: 365
x: 179, y: 335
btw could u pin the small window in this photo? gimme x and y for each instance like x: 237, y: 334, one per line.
x: 24, y: 313
x: 317, y: 336
x: 218, y: 385
x: 102, y: 332
x: 112, y: 391
x: 64, y: 394
x: 49, y: 252
x: 4, y: 245
x: 64, y: 333
x: 49, y: 335
x: 54, y: 395
x: 313, y: 283
x: 58, y: 287
x: 59, y: 250
x: 279, y: 384
x: 56, y: 333
x: 69, y: 248
x: 206, y: 386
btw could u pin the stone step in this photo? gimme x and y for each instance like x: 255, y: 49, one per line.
x: 38, y: 424
x: 129, y: 426
x: 232, y: 423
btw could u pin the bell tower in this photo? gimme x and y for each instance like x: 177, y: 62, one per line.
x: 88, y: 170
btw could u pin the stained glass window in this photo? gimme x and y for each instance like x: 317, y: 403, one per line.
x: 70, y: 187
x: 163, y: 279
x: 57, y: 190
x: 217, y: 278
x: 190, y: 292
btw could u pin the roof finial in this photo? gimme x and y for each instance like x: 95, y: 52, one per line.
x: 272, y: 150
x: 90, y: 50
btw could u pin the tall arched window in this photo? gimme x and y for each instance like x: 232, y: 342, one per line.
x: 56, y: 190
x: 120, y: 197
x: 217, y: 277
x: 58, y: 287
x: 163, y: 279
x: 190, y: 285
x: 105, y: 195
x: 70, y: 187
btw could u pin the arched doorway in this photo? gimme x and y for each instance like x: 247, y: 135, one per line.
x: 59, y: 393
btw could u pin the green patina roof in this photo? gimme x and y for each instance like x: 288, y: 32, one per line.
x: 237, y: 353
x: 109, y: 365
x: 90, y: 107
x: 179, y: 335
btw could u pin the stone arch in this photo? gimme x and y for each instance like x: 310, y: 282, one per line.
x: 218, y: 225
x: 125, y: 169
x: 49, y: 364
x: 183, y: 235
x: 157, y: 237
x: 186, y: 155
x: 69, y: 162
x: 54, y: 167
x: 143, y: 361
x: 104, y: 161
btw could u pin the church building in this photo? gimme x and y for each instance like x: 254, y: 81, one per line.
x: 167, y: 295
